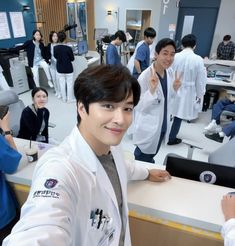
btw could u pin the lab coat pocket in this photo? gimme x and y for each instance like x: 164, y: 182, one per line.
x: 107, y: 238
x: 95, y: 235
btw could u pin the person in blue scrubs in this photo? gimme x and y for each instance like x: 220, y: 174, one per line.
x: 9, y: 161
x: 112, y: 56
x: 142, y: 58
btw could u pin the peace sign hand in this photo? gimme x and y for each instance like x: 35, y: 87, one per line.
x: 177, y: 82
x: 153, y: 81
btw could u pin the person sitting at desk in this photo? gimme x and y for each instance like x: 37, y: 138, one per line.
x: 9, y: 161
x: 35, y: 117
x: 226, y: 49
x: 213, y: 130
x: 112, y: 56
x: 228, y: 229
x: 79, y: 189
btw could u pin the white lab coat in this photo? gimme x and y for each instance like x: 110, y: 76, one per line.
x: 150, y: 111
x: 63, y: 217
x: 228, y: 232
x: 130, y: 64
x: 193, y: 84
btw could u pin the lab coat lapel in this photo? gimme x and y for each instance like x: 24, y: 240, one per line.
x: 103, y: 179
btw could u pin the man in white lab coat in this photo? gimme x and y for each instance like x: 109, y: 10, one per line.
x: 228, y: 229
x: 188, y: 101
x: 79, y: 189
x: 153, y: 113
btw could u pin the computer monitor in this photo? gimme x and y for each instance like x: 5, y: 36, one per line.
x: 201, y: 171
x: 82, y: 47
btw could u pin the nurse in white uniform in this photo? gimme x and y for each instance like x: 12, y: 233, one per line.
x: 79, y: 189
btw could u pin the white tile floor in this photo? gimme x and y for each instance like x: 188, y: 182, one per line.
x: 64, y: 116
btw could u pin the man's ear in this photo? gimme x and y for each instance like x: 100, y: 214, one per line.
x: 81, y: 109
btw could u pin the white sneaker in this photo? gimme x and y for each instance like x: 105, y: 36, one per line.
x: 213, y: 128
x: 50, y: 83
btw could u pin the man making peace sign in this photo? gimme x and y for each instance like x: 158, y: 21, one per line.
x: 152, y: 120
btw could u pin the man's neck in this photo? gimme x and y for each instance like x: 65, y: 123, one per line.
x: 97, y: 146
x: 158, y: 69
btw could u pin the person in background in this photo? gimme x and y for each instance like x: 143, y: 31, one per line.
x: 226, y: 49
x: 142, y: 57
x: 214, y: 131
x: 188, y: 101
x: 34, y: 119
x: 85, y: 177
x: 112, y: 56
x: 228, y: 130
x: 37, y: 56
x: 64, y: 56
x: 9, y: 161
x: 53, y: 38
x: 152, y: 119
x: 228, y: 229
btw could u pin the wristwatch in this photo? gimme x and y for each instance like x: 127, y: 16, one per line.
x: 7, y: 133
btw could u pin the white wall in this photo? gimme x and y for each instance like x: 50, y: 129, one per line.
x: 225, y: 23
x: 110, y: 22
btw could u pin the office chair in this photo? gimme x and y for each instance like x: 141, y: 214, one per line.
x: 224, y: 155
x: 16, y: 106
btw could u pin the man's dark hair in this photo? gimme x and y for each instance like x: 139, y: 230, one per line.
x: 121, y: 35
x: 227, y: 38
x: 105, y: 83
x: 51, y: 35
x: 189, y: 40
x: 61, y: 36
x: 163, y: 43
x: 150, y: 32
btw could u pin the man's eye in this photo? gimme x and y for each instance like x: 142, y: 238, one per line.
x: 129, y: 109
x: 108, y: 106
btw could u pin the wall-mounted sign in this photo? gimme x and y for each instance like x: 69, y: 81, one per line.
x: 4, y: 27
x: 17, y: 23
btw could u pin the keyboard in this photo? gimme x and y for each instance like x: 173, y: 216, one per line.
x: 88, y: 57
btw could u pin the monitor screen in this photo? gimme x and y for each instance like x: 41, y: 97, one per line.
x: 82, y: 47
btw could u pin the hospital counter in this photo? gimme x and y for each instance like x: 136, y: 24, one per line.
x: 177, y: 212
x: 208, y: 62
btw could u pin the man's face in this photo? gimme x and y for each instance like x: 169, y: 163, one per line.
x: 166, y: 56
x: 119, y: 42
x: 106, y: 123
x: 149, y: 40
x: 226, y: 42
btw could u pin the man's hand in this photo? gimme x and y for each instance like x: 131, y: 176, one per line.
x: 153, y: 82
x: 156, y: 175
x: 177, y: 82
x: 228, y: 206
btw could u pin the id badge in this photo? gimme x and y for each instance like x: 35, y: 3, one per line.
x: 40, y: 138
